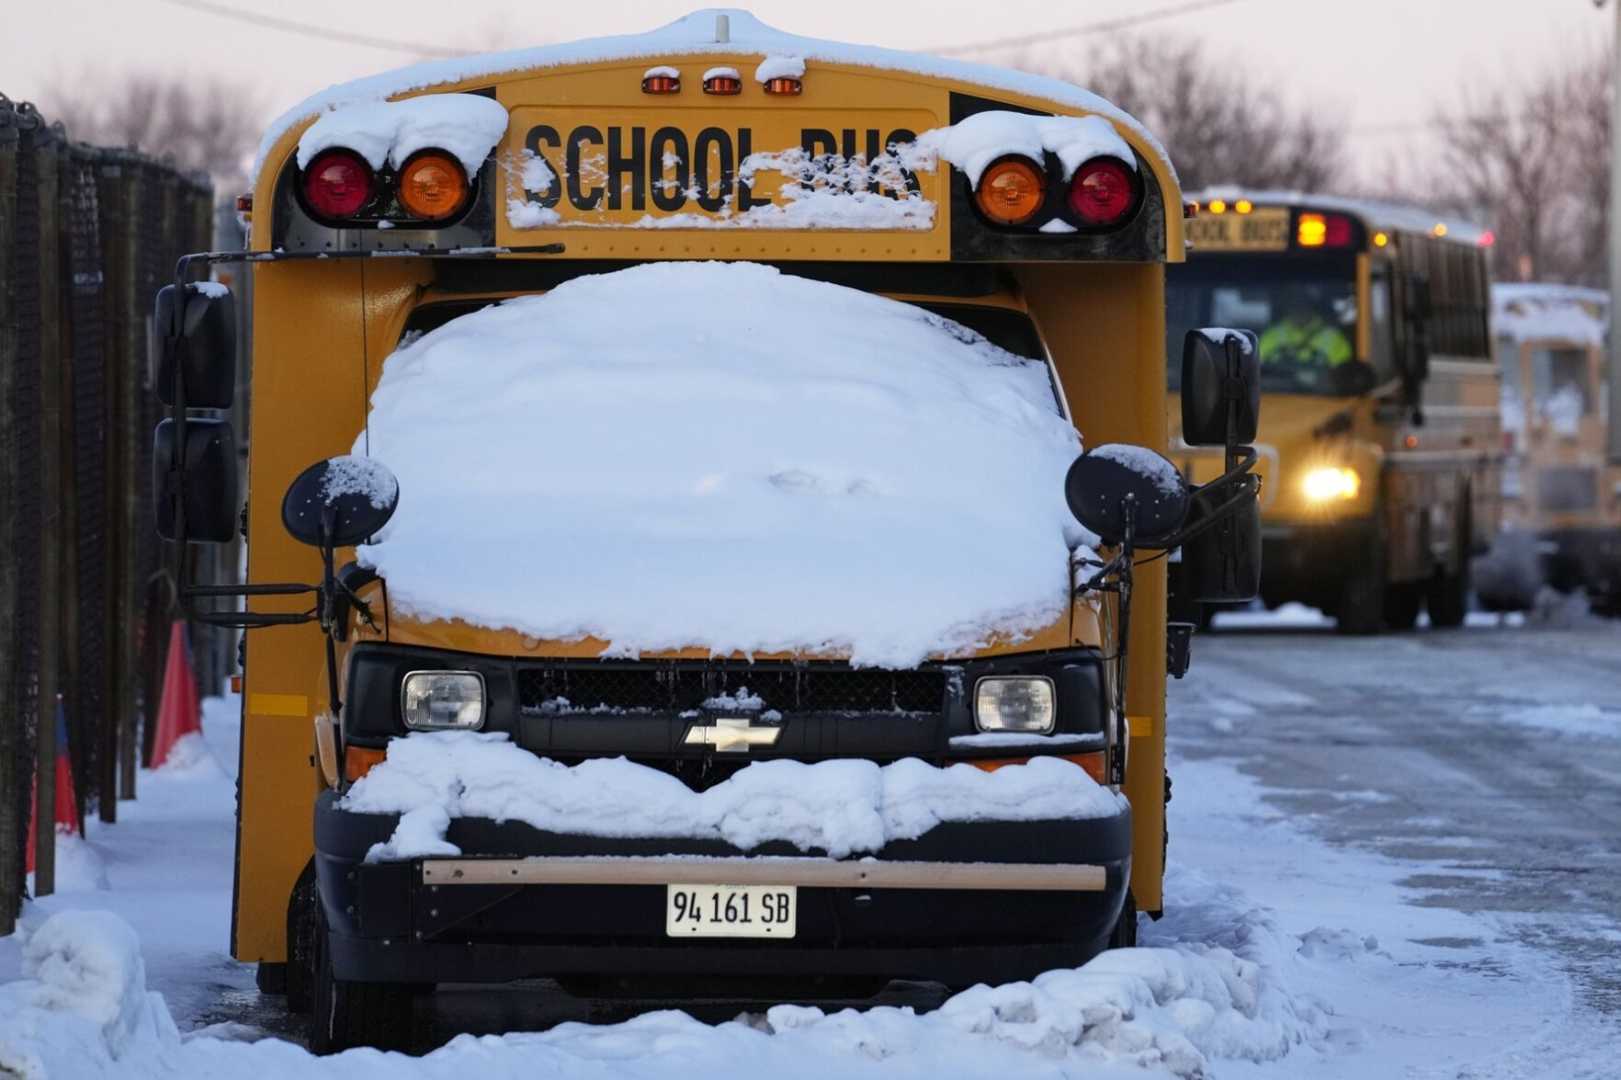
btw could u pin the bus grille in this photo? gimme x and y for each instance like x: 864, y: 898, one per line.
x: 1567, y: 488
x: 684, y: 686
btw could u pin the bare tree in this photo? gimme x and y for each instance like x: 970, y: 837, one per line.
x: 1532, y: 162
x: 1219, y: 123
x: 210, y: 124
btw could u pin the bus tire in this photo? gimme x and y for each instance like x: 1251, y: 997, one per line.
x: 1361, y: 608
x: 1402, y: 604
x: 1448, y: 598
x: 1124, y: 934
x: 270, y: 977
x: 303, y: 925
x: 349, y: 1014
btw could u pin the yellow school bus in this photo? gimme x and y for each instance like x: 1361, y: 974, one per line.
x: 1562, y: 500
x: 1381, y: 448
x: 1010, y: 213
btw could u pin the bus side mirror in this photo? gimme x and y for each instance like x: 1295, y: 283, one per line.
x: 209, y: 462
x: 197, y: 345
x: 1221, y: 387
x: 340, y: 502
x: 1222, y: 564
x: 1115, y: 482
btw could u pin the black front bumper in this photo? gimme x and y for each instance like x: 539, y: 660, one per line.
x: 387, y: 925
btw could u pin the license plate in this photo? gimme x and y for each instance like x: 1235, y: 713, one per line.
x: 759, y: 911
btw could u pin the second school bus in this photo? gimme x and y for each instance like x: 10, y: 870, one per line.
x: 578, y: 160
x: 1381, y: 443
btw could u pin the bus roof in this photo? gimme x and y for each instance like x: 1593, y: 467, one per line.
x: 710, y: 30
x: 1547, y: 311
x: 1396, y: 217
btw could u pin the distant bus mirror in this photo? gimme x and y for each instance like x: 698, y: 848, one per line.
x: 211, y: 497
x: 196, y: 339
x: 1221, y: 387
x: 1114, y: 482
x: 340, y: 502
x: 1222, y: 564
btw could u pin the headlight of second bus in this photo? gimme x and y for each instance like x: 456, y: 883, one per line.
x: 1331, y: 484
x: 442, y: 700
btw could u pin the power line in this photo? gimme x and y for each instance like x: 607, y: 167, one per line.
x: 1104, y: 27
x: 325, y: 33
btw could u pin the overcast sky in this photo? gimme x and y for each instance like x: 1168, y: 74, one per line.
x: 1380, y: 66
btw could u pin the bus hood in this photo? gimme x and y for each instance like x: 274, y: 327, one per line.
x: 723, y: 458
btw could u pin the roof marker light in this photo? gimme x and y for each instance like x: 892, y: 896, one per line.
x: 661, y: 81
x: 784, y: 84
x: 1380, y: 239
x: 1218, y: 206
x: 724, y: 81
x: 1243, y: 206
x: 1440, y: 229
x: 1487, y: 238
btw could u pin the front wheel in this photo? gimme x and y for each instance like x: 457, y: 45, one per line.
x: 1124, y: 934
x: 348, y: 1014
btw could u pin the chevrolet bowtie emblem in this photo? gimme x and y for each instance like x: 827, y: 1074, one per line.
x: 731, y: 734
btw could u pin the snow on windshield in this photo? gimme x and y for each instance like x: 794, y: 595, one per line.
x: 724, y: 456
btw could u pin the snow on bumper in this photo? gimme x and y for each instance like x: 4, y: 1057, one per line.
x: 837, y: 807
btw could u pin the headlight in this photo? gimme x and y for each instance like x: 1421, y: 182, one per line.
x: 1015, y: 703
x: 443, y: 700
x: 1326, y: 485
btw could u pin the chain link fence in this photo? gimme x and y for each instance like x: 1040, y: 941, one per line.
x: 87, y: 237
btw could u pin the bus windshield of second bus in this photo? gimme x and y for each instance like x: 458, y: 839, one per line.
x: 1304, y: 316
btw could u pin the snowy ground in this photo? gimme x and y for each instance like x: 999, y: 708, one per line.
x: 1366, y: 882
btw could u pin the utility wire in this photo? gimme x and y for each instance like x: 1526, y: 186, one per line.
x: 1104, y: 27
x: 325, y: 33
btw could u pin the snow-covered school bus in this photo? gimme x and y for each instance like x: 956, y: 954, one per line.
x: 672, y: 559
x: 1561, y: 499
x: 1382, y: 448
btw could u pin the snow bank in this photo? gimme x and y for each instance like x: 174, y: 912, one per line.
x: 82, y: 1003
x: 976, y: 141
x: 695, y: 34
x: 723, y: 456
x: 466, y: 125
x: 838, y: 807
x: 1216, y: 990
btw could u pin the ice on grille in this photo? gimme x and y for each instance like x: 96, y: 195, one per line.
x: 727, y: 457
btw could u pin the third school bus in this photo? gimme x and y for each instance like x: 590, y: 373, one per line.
x: 415, y: 209
x: 1381, y: 443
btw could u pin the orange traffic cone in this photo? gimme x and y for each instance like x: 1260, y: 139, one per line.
x: 178, y: 712
x: 67, y: 801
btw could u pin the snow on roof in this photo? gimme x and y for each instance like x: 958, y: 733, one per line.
x: 842, y: 808
x: 696, y: 34
x: 1385, y: 215
x: 724, y: 456
x: 1545, y: 311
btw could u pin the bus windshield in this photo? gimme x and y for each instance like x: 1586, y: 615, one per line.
x: 1306, y: 322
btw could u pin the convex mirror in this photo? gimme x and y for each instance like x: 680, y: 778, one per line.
x: 1221, y: 387
x: 341, y: 501
x: 1104, y: 482
x: 209, y: 463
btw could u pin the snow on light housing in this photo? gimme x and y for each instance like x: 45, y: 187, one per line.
x: 1011, y: 190
x: 1019, y: 703
x: 338, y: 183
x: 442, y: 700
x: 433, y: 186
x: 1104, y: 191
